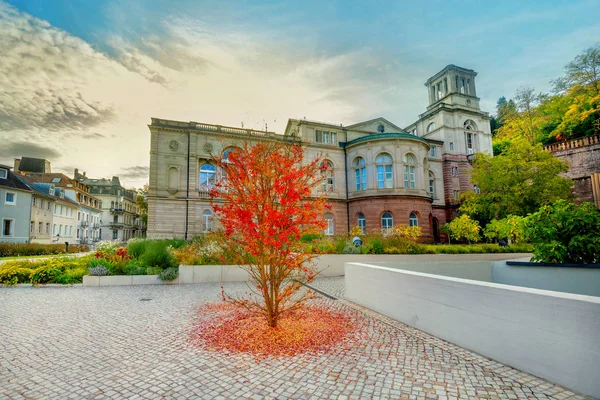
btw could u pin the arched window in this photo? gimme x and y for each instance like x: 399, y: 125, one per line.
x: 362, y: 223
x: 385, y: 177
x: 432, y: 185
x: 330, y: 228
x: 409, y: 171
x: 413, y: 219
x: 328, y: 176
x: 207, y: 220
x: 431, y: 127
x: 387, y: 221
x: 470, y: 125
x: 207, y: 176
x: 360, y: 173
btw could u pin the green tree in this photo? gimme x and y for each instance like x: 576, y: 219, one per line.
x: 518, y: 181
x: 463, y: 228
x: 583, y: 71
x: 511, y: 228
x: 142, y: 203
x: 565, y: 233
x: 522, y: 118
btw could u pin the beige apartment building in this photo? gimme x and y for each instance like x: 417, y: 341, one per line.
x: 381, y: 174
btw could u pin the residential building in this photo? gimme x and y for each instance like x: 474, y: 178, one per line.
x: 120, y: 215
x: 89, y: 211
x: 380, y: 174
x: 42, y: 211
x: 15, y: 207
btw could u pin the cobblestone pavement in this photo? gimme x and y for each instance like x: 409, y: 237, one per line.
x: 130, y: 343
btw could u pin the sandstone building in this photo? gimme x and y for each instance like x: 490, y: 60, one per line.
x: 382, y: 174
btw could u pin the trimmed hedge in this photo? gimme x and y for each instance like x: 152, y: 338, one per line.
x: 35, y: 249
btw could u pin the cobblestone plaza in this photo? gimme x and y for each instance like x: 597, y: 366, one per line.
x: 132, y: 343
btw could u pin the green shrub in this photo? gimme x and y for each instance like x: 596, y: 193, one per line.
x: 158, y: 255
x: 137, y: 247
x: 46, y: 274
x: 135, y: 267
x: 339, y: 244
x: 71, y: 276
x: 12, y: 275
x: 349, y: 248
x: 153, y: 270
x: 377, y: 246
x: 100, y: 262
x: 565, y: 233
x: 309, y: 237
x: 35, y: 249
x: 169, y: 274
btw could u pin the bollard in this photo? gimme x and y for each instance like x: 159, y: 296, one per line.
x: 66, y: 247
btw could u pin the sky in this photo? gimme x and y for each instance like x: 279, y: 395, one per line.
x: 80, y: 80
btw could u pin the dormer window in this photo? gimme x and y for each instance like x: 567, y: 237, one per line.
x: 3, y: 173
x: 56, y: 180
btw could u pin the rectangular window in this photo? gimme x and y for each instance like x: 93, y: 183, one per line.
x: 468, y: 90
x: 476, y: 189
x: 47, y: 227
x: 451, y: 146
x: 115, y: 235
x: 40, y: 227
x: 54, y: 229
x: 456, y: 194
x: 462, y: 85
x: 384, y: 176
x: 326, y: 137
x: 7, y: 227
x: 34, y: 201
x: 432, y: 151
x: 31, y: 227
x: 446, y: 85
x: 409, y: 176
x: 3, y: 173
x: 469, y: 141
x: 10, y: 198
x: 60, y: 231
x: 49, y: 205
x: 42, y: 204
x: 329, y: 229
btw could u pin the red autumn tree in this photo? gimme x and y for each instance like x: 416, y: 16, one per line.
x: 265, y: 203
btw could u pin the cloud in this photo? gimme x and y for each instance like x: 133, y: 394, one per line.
x: 24, y: 149
x: 135, y: 173
x: 93, y: 136
x: 43, y: 76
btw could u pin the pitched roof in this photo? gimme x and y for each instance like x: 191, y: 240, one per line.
x: 12, y: 181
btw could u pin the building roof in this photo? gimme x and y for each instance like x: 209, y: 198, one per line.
x: 39, y: 192
x: 12, y: 181
x: 390, y: 135
x: 31, y: 164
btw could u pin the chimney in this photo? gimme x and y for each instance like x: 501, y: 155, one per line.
x: 75, y: 174
x: 17, y: 163
x: 115, y: 181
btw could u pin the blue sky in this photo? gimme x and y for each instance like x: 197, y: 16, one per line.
x: 114, y: 64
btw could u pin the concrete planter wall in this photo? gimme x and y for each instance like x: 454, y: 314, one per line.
x: 549, y: 334
x: 125, y: 280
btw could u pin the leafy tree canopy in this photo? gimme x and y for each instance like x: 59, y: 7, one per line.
x: 572, y: 111
x: 518, y: 181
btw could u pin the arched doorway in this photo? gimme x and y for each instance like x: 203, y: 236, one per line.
x: 435, y: 228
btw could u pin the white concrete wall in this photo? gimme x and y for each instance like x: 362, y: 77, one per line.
x: 563, y: 279
x: 552, y: 335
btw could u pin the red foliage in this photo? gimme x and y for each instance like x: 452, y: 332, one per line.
x: 266, y: 203
x: 225, y: 327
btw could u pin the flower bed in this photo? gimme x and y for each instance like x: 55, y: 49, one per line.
x: 64, y: 270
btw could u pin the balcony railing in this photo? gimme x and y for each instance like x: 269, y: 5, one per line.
x: 96, y: 225
x: 84, y: 224
x: 116, y: 224
x: 117, y: 210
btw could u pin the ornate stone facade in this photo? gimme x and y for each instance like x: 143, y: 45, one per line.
x: 381, y: 174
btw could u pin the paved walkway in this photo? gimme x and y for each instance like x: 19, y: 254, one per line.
x: 130, y: 343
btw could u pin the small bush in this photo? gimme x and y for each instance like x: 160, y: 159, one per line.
x: 169, y: 274
x: 309, y: 237
x: 153, y: 270
x: 137, y: 247
x: 377, y: 246
x: 98, y: 271
x: 46, y: 274
x: 349, y: 248
x: 12, y: 275
x: 158, y: 255
x: 35, y: 249
x: 339, y: 245
x: 135, y: 267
